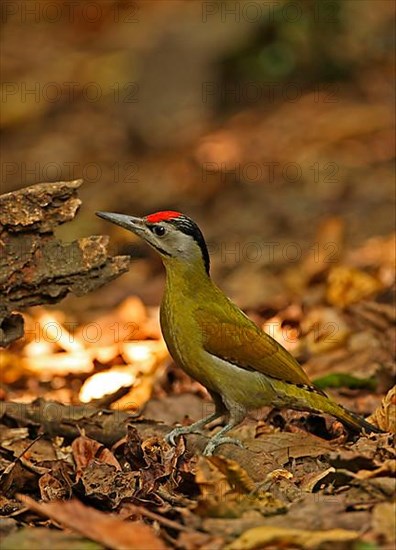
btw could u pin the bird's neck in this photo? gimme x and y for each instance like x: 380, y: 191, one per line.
x: 186, y: 277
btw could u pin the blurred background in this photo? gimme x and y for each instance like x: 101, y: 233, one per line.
x: 271, y: 123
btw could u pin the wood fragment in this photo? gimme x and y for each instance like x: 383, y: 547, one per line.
x: 35, y: 267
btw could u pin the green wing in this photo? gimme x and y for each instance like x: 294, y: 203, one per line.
x: 228, y: 334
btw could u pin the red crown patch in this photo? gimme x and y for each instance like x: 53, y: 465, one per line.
x: 163, y: 216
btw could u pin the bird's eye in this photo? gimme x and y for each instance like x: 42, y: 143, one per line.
x: 158, y: 230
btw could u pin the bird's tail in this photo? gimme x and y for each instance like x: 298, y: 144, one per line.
x: 309, y: 398
x: 350, y: 419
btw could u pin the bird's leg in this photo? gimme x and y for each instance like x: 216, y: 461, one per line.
x: 220, y: 410
x: 195, y: 428
x: 236, y: 418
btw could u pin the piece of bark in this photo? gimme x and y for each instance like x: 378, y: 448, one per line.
x: 39, y: 207
x: 35, y: 267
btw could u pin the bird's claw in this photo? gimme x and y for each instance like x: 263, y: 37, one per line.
x: 177, y: 432
x: 214, y: 443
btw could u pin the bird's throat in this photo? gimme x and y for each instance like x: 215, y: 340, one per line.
x: 188, y: 280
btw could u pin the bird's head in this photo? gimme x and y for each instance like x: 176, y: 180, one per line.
x: 172, y: 234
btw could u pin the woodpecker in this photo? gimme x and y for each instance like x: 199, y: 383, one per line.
x: 215, y: 343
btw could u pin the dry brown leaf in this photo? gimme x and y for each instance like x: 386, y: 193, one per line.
x: 347, y: 285
x: 260, y: 536
x: 385, y: 415
x: 387, y: 468
x: 52, y: 488
x: 85, y: 450
x: 102, y: 527
x: 236, y: 476
x: 383, y: 522
x: 227, y: 491
x: 285, y: 446
x: 104, y: 484
x: 310, y: 481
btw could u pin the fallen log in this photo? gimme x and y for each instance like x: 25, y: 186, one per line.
x: 37, y: 268
x: 110, y: 426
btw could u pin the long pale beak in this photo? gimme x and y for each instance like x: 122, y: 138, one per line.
x: 127, y: 222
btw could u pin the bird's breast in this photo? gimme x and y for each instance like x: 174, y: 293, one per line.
x: 183, y: 338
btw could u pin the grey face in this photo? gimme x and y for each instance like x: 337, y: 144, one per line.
x: 166, y: 237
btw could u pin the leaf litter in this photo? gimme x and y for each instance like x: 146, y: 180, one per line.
x: 299, y: 482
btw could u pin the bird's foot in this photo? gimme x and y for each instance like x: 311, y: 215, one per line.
x: 216, y: 441
x: 177, y: 432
